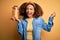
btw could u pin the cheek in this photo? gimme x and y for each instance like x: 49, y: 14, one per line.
x: 30, y: 11
x: 33, y: 11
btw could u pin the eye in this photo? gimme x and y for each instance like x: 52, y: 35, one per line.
x: 30, y: 8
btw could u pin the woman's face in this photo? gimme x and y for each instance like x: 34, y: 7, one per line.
x: 30, y: 11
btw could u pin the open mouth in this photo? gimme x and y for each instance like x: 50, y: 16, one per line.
x: 29, y: 14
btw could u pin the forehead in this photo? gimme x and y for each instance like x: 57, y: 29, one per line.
x: 30, y: 6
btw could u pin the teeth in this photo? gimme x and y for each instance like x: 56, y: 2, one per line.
x: 29, y: 13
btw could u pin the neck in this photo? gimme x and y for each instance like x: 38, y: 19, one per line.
x: 31, y: 17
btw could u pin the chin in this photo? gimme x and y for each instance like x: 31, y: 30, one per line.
x: 29, y: 16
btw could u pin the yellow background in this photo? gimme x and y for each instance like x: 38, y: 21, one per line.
x: 8, y: 28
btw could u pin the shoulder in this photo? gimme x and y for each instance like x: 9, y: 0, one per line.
x: 39, y: 18
x: 20, y: 20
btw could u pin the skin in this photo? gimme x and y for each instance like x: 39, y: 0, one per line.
x: 29, y: 11
x: 15, y: 16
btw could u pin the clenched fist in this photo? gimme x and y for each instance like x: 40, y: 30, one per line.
x: 15, y: 13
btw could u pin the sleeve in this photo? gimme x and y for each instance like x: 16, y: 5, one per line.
x: 48, y: 26
x: 20, y: 28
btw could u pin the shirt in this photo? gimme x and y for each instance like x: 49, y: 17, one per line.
x: 29, y: 29
x: 38, y: 24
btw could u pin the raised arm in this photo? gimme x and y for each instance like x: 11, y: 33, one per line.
x: 15, y: 13
x: 48, y: 26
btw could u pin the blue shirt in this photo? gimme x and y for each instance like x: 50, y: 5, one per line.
x: 38, y: 25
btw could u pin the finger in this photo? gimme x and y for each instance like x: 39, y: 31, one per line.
x: 12, y: 18
x: 15, y: 6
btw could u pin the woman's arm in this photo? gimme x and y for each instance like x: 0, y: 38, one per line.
x: 15, y: 14
x: 48, y: 26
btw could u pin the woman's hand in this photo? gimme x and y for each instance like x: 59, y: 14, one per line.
x: 53, y: 15
x: 15, y: 13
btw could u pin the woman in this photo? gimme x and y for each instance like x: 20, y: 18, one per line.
x: 31, y: 25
